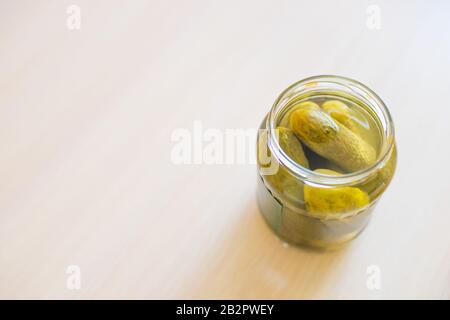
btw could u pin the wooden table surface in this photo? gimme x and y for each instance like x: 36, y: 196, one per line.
x: 92, y: 204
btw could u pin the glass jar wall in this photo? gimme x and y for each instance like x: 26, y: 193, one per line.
x: 326, y: 153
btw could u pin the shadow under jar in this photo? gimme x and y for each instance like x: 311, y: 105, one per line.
x: 326, y: 153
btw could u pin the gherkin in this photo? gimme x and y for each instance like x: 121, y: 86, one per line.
x: 340, y: 112
x: 330, y: 139
x: 302, y: 105
x: 282, y: 181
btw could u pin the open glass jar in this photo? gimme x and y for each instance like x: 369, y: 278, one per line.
x: 326, y: 152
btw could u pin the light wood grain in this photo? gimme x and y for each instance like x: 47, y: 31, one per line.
x: 85, y: 128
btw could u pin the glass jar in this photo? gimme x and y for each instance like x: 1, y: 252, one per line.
x: 282, y: 181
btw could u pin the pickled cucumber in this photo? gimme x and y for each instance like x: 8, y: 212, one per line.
x: 330, y: 139
x: 290, y: 144
x: 381, y: 179
x: 364, y: 127
x: 327, y: 202
x: 302, y: 105
x: 282, y: 181
x: 340, y: 112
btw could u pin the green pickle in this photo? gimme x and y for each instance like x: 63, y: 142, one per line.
x: 331, y: 136
x: 292, y: 146
x: 285, y: 122
x: 329, y: 202
x: 332, y: 140
x: 340, y: 112
x: 282, y: 182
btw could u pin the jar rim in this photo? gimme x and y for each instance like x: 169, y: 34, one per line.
x: 358, y: 91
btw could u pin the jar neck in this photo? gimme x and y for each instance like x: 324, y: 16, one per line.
x: 331, y: 85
